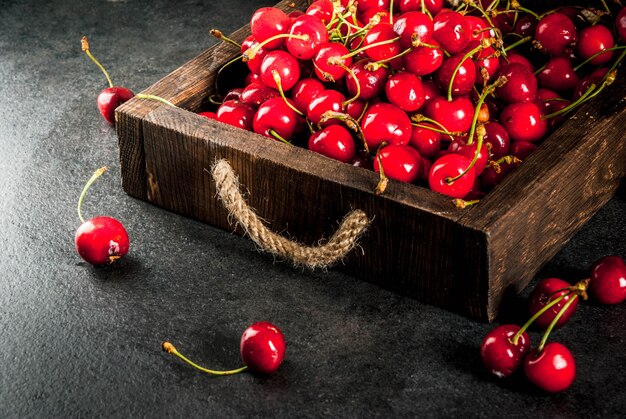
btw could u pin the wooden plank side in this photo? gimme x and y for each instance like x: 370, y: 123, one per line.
x: 414, y: 245
x: 539, y: 207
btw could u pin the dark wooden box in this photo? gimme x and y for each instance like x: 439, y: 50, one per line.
x: 418, y: 244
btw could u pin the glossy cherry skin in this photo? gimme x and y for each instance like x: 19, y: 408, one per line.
x: 451, y: 31
x: 309, y: 26
x: 275, y: 115
x: 449, y: 166
x: 426, y: 141
x: 554, y: 33
x: 236, y: 113
x: 285, y: 64
x: 486, y: 63
x: 464, y: 77
x: 254, y: 94
x: 558, y: 74
x: 304, y: 91
x: 499, y: 354
x: 379, y: 33
x: 385, y: 122
x: 455, y: 115
x: 400, y: 162
x: 327, y: 100
x: 326, y: 53
x: 321, y: 9
x: 546, y: 291
x: 101, y: 240
x: 262, y: 347
x: 595, y: 39
x: 553, y: 369
x: 335, y: 142
x: 267, y: 22
x: 460, y: 146
x: 584, y: 84
x: 110, y: 98
x: 433, y: 6
x: 523, y: 121
x: 498, y: 139
x: 521, y: 85
x: 254, y: 63
x: 370, y: 83
x: 405, y: 90
x: 608, y: 280
x: 208, y: 114
x: 412, y: 25
x: 422, y: 61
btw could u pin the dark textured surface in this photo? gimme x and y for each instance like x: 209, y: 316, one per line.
x: 79, y: 341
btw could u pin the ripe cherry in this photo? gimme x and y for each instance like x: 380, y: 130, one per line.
x: 325, y: 101
x: 497, y: 138
x: 523, y: 121
x: 451, y: 31
x: 447, y: 167
x: 335, y: 142
x: 460, y: 146
x: 262, y: 350
x: 283, y: 64
x: 503, y: 353
x: 412, y: 26
x: 455, y: 115
x: 426, y: 139
x: 554, y: 33
x: 558, y: 74
x: 460, y: 71
x: 385, y: 122
x: 314, y: 32
x: 400, y: 162
x: 548, y: 291
x: 304, y: 91
x: 268, y: 22
x: 111, y: 97
x: 381, y: 43
x: 331, y: 60
x: 522, y: 149
x: 552, y: 369
x: 405, y: 90
x: 423, y: 60
x: 100, y: 240
x: 253, y: 62
x: 254, y: 94
x: 521, y: 85
x: 275, y: 119
x: 433, y: 6
x: 236, y: 113
x: 364, y: 82
x: 594, y: 39
x: 321, y: 9
x: 608, y: 280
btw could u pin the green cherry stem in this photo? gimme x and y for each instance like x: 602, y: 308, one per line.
x: 85, y: 46
x: 93, y: 178
x: 153, y: 97
x: 518, y: 43
x: 616, y: 48
x: 544, y: 339
x: 251, y: 52
x: 276, y: 135
x: 537, y: 315
x: 219, y: 35
x: 334, y: 60
x: 279, y: 84
x: 171, y: 349
x: 458, y: 67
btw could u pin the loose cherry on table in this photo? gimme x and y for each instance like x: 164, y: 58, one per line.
x: 111, y: 97
x: 607, y: 284
x: 552, y: 368
x: 503, y: 350
x: 100, y: 240
x: 558, y: 292
x: 262, y: 350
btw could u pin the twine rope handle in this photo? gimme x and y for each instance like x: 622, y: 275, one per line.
x: 321, y: 256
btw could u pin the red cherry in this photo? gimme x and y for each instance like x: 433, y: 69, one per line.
x: 321, y: 9
x: 490, y: 177
x: 583, y: 85
x: 400, y: 162
x: 433, y: 6
x: 451, y: 31
x: 553, y: 369
x: 335, y: 142
x: 101, y: 240
x: 593, y: 40
x: 355, y: 109
x: 110, y: 98
x: 282, y: 63
x: 455, y: 115
x: 547, y: 291
x: 255, y: 94
x: 324, y: 59
x: 381, y: 33
x: 371, y: 83
x: 500, y: 355
x: 304, y: 91
x: 558, y: 74
x: 385, y: 122
x: 412, y: 26
x: 208, y: 114
x: 523, y: 121
x: 554, y: 33
x: 262, y: 347
x: 237, y: 114
x: 426, y: 141
x: 486, y: 62
x: 311, y: 27
x: 464, y: 78
x: 620, y: 24
x: 274, y: 116
x: 405, y: 90
x: 267, y: 22
x: 513, y: 57
x: 521, y: 85
x: 459, y: 146
x: 447, y: 167
x: 498, y: 138
x: 254, y: 63
x: 608, y: 280
x: 327, y: 100
x: 525, y: 26
x: 423, y: 60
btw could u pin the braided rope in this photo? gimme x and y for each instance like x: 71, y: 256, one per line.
x: 320, y: 256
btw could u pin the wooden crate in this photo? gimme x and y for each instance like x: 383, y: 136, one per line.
x: 418, y: 244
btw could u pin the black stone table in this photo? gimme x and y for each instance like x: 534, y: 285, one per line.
x: 79, y: 341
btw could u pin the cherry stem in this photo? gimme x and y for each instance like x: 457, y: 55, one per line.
x: 360, y: 50
x: 237, y: 58
x: 537, y: 315
x: 170, y: 349
x: 384, y: 180
x: 251, y: 52
x: 422, y: 118
x: 515, y: 5
x: 458, y: 67
x: 587, y: 95
x: 85, y: 46
x: 350, y: 122
x: 93, y: 178
x: 615, y: 48
x: 156, y: 98
x: 358, y: 85
x: 461, y: 203
x: 518, y: 43
x: 219, y: 35
x: 276, y: 135
x: 373, y: 66
x: 279, y: 84
x: 544, y: 339
x: 440, y: 131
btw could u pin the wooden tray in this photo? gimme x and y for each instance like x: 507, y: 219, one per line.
x: 418, y: 244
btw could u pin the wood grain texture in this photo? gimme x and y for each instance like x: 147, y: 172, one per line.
x: 418, y: 244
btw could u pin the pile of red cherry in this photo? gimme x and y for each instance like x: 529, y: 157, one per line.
x: 552, y: 303
x: 450, y: 98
